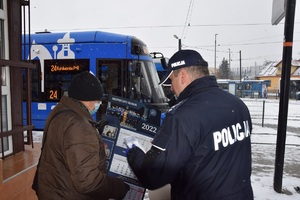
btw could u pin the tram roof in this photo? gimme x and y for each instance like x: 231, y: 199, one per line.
x: 79, y: 37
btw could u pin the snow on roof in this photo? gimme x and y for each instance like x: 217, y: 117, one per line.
x: 271, y: 68
x: 268, y: 70
x: 296, y: 63
x: 297, y: 71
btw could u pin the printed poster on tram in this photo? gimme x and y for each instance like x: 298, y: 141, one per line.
x: 128, y: 121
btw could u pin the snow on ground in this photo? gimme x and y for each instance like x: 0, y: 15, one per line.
x: 264, y: 137
x: 264, y: 148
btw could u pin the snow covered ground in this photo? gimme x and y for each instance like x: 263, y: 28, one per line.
x: 264, y: 137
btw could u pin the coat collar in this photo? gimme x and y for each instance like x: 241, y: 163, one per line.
x: 197, y: 86
x: 76, y: 106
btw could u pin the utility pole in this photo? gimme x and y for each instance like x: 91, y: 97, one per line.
x: 240, y: 66
x: 229, y: 58
x: 284, y: 93
x: 216, y: 54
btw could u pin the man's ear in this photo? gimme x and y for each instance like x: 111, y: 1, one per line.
x: 184, y: 77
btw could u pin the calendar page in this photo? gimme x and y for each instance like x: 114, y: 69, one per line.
x: 130, y: 123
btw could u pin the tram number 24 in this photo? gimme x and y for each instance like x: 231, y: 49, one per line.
x: 53, y: 94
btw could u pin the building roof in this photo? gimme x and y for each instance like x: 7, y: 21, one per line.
x: 296, y: 63
x: 271, y: 69
x: 268, y: 70
x: 297, y: 72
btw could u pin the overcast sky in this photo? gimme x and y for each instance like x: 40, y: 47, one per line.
x: 240, y: 25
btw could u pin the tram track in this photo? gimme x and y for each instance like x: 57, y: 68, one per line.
x: 271, y: 144
x: 265, y: 134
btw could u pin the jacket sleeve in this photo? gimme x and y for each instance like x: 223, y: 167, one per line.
x: 87, y: 163
x: 170, y: 151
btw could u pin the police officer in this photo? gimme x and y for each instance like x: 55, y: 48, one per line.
x: 203, y: 147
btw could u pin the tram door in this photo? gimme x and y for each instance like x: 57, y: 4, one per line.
x: 111, y: 74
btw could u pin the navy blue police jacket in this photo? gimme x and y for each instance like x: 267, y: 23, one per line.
x: 203, y: 147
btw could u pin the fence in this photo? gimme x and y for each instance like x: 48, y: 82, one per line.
x: 257, y: 110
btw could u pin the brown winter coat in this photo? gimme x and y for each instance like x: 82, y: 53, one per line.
x: 73, y: 162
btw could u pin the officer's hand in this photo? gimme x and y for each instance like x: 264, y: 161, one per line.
x: 128, y: 149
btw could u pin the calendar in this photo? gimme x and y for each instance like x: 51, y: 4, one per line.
x: 128, y: 119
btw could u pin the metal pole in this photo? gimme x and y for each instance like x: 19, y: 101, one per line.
x: 216, y: 54
x: 240, y: 66
x: 229, y: 58
x: 263, y: 113
x: 284, y: 93
x: 179, y: 44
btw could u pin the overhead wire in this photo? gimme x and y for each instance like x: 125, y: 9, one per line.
x: 169, y: 26
x: 188, y: 19
x: 188, y: 25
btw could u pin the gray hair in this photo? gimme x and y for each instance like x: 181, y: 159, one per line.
x: 194, y: 72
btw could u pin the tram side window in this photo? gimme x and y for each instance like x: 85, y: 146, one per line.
x: 134, y: 80
x: 140, y: 87
x: 125, y: 79
x: 109, y: 73
x: 138, y: 84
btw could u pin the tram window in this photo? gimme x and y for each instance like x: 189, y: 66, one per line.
x: 130, y: 82
x: 109, y: 73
